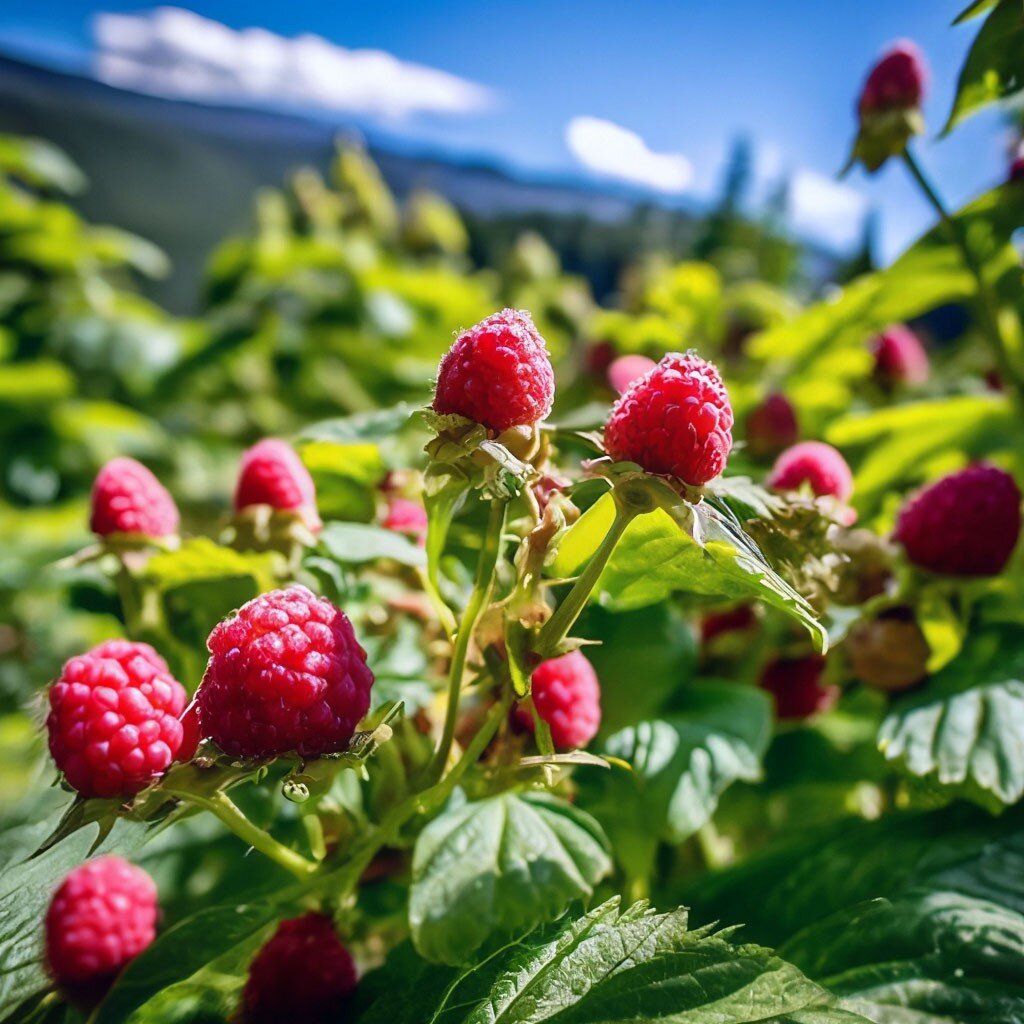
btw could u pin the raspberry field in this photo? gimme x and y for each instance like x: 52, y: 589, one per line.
x: 411, y: 636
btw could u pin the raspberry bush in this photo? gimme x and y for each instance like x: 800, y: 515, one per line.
x: 523, y: 644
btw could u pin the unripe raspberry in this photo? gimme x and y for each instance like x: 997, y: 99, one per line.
x: 772, y: 426
x: 497, y: 373
x: 285, y: 674
x: 896, y: 82
x: 796, y: 686
x: 113, y: 722
x: 626, y: 369
x: 889, y: 653
x: 965, y: 524
x: 675, y: 420
x: 567, y: 696
x: 405, y: 516
x: 816, y: 464
x: 102, y: 916
x: 127, y: 498
x: 272, y: 474
x: 303, y: 973
x: 900, y: 358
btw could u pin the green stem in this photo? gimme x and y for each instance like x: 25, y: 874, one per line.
x: 129, y: 598
x: 478, y: 599
x: 987, y: 306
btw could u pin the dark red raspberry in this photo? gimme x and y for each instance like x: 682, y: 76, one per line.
x: 567, y: 696
x: 626, y: 369
x: 675, y: 420
x: 796, y: 686
x: 900, y: 358
x: 896, y: 82
x: 285, y: 674
x: 497, y: 373
x: 736, y: 620
x: 102, y: 916
x: 965, y: 524
x: 113, y: 721
x: 816, y: 464
x: 272, y: 474
x: 1017, y: 168
x: 772, y: 426
x: 127, y: 498
x: 303, y: 973
x: 405, y: 516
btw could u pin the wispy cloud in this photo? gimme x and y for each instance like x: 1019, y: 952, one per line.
x: 609, y: 149
x: 173, y: 52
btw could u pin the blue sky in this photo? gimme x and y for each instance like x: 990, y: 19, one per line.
x: 686, y: 77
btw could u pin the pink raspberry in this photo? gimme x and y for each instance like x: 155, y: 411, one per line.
x: 272, y: 474
x: 113, y: 722
x: 796, y: 686
x: 900, y: 358
x: 675, y: 420
x: 497, y: 373
x: 816, y: 464
x: 102, y: 916
x: 626, y: 369
x: 405, y: 516
x: 965, y: 524
x: 567, y: 696
x: 303, y: 973
x: 772, y: 426
x: 896, y: 82
x: 285, y: 674
x: 127, y: 498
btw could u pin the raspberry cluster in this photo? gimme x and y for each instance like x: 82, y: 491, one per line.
x: 128, y: 498
x: 272, y: 474
x: 567, y: 696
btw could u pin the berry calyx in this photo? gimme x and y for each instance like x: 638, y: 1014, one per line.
x: 303, y: 973
x: 626, y: 369
x: 814, y: 464
x: 408, y: 517
x: 567, y: 697
x: 497, y: 373
x: 271, y: 473
x: 113, y: 723
x: 966, y: 524
x: 796, y: 687
x: 286, y: 673
x: 900, y: 358
x: 772, y: 426
x: 102, y: 916
x: 127, y: 498
x: 675, y: 420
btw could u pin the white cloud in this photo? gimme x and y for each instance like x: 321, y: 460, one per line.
x: 609, y: 149
x: 825, y: 209
x: 173, y: 52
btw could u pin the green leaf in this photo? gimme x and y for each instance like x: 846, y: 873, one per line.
x: 378, y: 425
x: 39, y: 163
x: 497, y: 866
x: 973, y: 10
x: 965, y: 728
x: 994, y: 68
x: 358, y: 543
x: 346, y: 477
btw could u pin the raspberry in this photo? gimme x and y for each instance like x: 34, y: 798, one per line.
x: 816, y: 464
x: 102, y: 916
x: 965, y: 524
x: 567, y: 696
x: 675, y: 420
x: 1017, y: 168
x: 796, y: 686
x: 405, y: 516
x: 896, y: 82
x: 736, y: 620
x: 900, y: 358
x: 113, y: 721
x: 889, y: 653
x: 772, y: 426
x: 497, y: 373
x: 303, y: 973
x: 626, y: 369
x: 127, y: 498
x: 285, y: 674
x: 272, y: 474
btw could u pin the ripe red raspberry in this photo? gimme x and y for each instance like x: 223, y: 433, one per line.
x: 1017, y: 168
x: 816, y: 464
x: 272, y: 474
x: 965, y: 524
x: 796, y: 686
x: 736, y: 620
x: 113, y: 722
x: 896, y: 82
x: 497, y: 373
x: 285, y: 674
x: 772, y: 426
x: 102, y: 916
x: 405, y: 516
x: 900, y: 358
x: 303, y: 973
x: 675, y: 420
x: 626, y: 369
x: 567, y: 696
x: 127, y: 498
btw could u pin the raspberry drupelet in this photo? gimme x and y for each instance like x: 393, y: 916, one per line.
x: 128, y: 498
x: 567, y: 696
x: 816, y: 464
x: 271, y: 473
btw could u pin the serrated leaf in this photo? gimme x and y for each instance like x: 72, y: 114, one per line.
x: 359, y: 543
x: 497, y: 866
